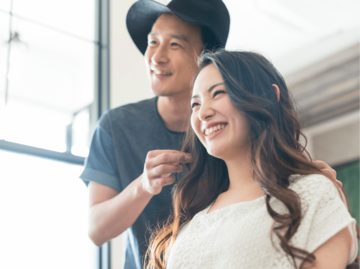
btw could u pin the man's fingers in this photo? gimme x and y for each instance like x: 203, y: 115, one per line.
x: 171, y: 157
x: 322, y: 165
x: 155, y: 153
x: 158, y: 183
x: 339, y: 183
x: 163, y: 169
x: 326, y: 169
x: 330, y: 173
x: 167, y: 180
x: 185, y: 158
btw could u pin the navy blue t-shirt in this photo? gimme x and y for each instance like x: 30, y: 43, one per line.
x: 121, y: 141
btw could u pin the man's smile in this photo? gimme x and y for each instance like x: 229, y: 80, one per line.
x: 160, y: 72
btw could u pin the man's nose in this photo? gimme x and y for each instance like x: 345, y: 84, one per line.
x: 160, y: 55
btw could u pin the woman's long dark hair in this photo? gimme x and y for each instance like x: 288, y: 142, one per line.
x: 276, y: 153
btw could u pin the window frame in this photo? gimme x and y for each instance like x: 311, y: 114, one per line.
x: 102, y: 94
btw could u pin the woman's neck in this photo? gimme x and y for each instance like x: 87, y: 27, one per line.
x: 241, y: 175
x: 242, y: 186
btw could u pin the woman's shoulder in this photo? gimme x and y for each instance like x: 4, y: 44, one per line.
x: 313, y: 186
x: 324, y: 211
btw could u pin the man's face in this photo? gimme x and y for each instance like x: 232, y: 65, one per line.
x: 171, y: 55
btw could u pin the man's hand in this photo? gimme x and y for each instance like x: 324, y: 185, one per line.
x: 159, y: 165
x: 328, y: 172
x: 331, y: 174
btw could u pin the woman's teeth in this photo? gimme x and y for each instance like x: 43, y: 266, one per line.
x: 214, y: 129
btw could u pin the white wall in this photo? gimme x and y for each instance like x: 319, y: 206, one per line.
x: 129, y: 82
x: 335, y: 141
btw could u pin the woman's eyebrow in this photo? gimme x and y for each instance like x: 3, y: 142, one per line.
x: 209, y: 90
x: 195, y: 97
x: 213, y: 86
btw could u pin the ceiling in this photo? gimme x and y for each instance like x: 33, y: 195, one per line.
x: 292, y: 33
x: 327, y: 89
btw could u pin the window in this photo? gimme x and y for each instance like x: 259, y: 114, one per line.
x: 44, y: 214
x: 54, y: 85
x: 50, y: 73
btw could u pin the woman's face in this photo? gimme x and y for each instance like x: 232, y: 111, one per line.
x: 221, y: 128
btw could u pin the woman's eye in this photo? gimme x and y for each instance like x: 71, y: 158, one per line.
x: 194, y: 105
x: 218, y: 92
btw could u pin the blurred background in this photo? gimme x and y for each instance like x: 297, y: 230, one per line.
x: 63, y: 63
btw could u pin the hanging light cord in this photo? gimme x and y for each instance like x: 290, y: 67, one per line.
x: 8, y: 56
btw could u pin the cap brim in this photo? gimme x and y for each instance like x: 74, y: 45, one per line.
x: 140, y: 19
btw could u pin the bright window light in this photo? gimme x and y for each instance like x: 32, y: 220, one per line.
x: 44, y: 208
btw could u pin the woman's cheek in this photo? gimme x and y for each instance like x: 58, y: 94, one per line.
x: 193, y: 122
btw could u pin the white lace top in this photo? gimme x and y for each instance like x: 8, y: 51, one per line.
x: 238, y: 236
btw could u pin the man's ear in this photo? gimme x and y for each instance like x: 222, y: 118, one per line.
x: 277, y: 91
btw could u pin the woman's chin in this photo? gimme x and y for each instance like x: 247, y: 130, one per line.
x: 217, y: 153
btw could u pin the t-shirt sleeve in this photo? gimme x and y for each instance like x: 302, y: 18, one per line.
x: 325, y: 213
x: 101, y: 166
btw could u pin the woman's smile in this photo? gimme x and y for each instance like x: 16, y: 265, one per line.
x: 214, y: 130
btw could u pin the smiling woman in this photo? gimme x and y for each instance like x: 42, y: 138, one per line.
x: 252, y: 198
x: 207, y: 124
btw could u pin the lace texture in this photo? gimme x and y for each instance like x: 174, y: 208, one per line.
x: 239, y: 236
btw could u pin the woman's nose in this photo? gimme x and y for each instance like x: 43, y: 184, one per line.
x: 206, y: 112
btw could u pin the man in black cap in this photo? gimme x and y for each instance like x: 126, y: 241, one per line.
x: 134, y: 150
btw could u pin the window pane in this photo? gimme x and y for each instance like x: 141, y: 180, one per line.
x: 80, y: 133
x: 72, y: 16
x: 4, y: 28
x: 50, y: 79
x: 5, y: 5
x: 44, y: 207
x: 4, y: 36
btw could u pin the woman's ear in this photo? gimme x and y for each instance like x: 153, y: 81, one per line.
x: 277, y: 91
